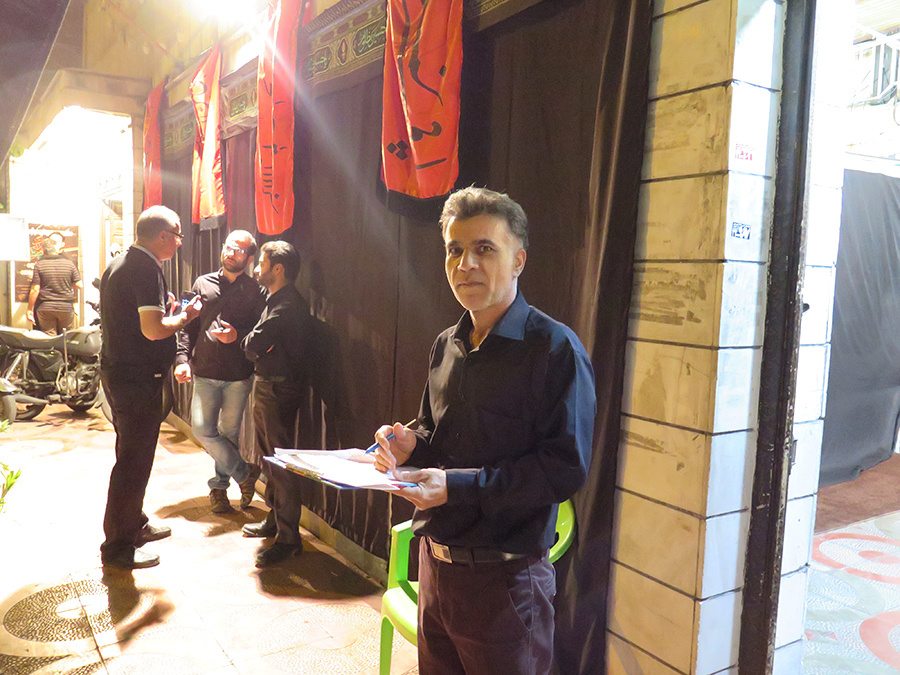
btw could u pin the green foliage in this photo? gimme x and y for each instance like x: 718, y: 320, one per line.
x: 8, y: 477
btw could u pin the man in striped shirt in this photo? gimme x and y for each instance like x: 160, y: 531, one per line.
x: 53, y: 288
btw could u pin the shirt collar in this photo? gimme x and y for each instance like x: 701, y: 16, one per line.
x: 141, y: 248
x: 511, y: 325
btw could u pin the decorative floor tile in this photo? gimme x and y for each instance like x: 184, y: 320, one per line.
x: 853, y: 600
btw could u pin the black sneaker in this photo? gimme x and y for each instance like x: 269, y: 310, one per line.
x: 277, y: 553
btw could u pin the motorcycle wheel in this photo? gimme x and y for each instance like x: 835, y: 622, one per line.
x: 8, y: 408
x: 28, y: 411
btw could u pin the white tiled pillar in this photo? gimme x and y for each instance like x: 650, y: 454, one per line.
x: 833, y: 39
x: 692, y: 378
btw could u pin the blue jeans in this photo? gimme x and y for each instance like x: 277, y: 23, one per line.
x: 217, y: 409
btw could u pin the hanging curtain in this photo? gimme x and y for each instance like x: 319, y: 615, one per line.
x: 156, y: 103
x: 420, y: 113
x: 240, y: 211
x: 208, y: 199
x: 275, y: 131
x: 562, y: 110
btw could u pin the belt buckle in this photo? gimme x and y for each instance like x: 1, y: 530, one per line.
x: 440, y: 551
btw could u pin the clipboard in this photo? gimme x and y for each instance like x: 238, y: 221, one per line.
x: 349, y: 469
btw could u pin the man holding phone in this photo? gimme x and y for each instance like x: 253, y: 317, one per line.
x: 138, y: 350
x: 210, y: 354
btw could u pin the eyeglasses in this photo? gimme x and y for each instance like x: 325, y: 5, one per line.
x: 236, y: 250
x: 175, y: 233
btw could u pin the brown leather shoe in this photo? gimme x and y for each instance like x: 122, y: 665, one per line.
x: 152, y: 533
x: 218, y: 498
x: 134, y: 561
x: 248, y: 486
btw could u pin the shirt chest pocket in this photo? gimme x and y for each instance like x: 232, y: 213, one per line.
x: 500, y: 436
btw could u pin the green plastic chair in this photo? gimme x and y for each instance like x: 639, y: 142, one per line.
x: 398, y: 605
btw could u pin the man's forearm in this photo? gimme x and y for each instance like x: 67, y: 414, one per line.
x: 32, y: 297
x: 156, y: 327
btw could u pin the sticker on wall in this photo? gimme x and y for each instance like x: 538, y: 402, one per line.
x: 743, y: 152
x: 740, y: 231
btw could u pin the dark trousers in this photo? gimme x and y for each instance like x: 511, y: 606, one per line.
x: 485, y: 619
x: 137, y: 414
x: 275, y: 414
x: 53, y: 321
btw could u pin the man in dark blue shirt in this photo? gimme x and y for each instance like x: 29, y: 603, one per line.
x: 504, y: 434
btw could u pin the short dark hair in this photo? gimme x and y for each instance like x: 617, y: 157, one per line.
x: 472, y: 201
x: 155, y: 220
x: 251, y: 249
x: 282, y: 253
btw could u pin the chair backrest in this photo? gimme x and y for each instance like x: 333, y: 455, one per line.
x: 565, y: 530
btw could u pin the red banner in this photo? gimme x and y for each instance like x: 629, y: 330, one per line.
x: 207, y: 195
x: 275, y: 131
x: 420, y: 122
x: 153, y: 146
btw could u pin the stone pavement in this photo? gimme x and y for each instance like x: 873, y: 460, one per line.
x: 204, y: 609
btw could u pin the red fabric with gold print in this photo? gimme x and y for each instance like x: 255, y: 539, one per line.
x: 207, y: 195
x: 420, y: 123
x: 153, y: 147
x: 275, y: 132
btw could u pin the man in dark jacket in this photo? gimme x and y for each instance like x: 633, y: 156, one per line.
x: 280, y: 347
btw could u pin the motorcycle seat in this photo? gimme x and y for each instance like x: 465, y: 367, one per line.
x: 29, y: 339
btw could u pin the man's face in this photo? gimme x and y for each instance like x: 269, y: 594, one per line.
x: 483, y: 260
x: 234, y: 254
x: 263, y: 272
x: 171, y: 241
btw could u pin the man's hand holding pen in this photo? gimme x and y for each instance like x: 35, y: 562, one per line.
x: 393, y: 447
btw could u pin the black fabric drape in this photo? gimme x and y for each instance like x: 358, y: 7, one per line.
x: 863, y: 405
x: 566, y: 107
x: 176, y: 194
x: 553, y: 112
x: 240, y: 204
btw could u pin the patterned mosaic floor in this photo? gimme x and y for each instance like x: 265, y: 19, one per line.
x: 853, y: 601
x: 204, y: 609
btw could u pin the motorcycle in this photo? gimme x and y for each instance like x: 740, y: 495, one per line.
x: 47, y: 369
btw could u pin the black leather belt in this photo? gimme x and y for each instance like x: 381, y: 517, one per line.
x: 470, y: 556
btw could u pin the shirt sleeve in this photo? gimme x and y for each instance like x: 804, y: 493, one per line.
x: 264, y: 335
x: 76, y: 275
x: 562, y: 446
x: 186, y: 338
x: 150, y: 291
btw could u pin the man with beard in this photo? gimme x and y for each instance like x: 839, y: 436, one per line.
x: 210, y: 354
x: 281, y: 347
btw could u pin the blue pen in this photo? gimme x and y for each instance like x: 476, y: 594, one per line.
x: 389, y: 437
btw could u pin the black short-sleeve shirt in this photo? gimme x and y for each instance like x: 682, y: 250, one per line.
x: 132, y: 282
